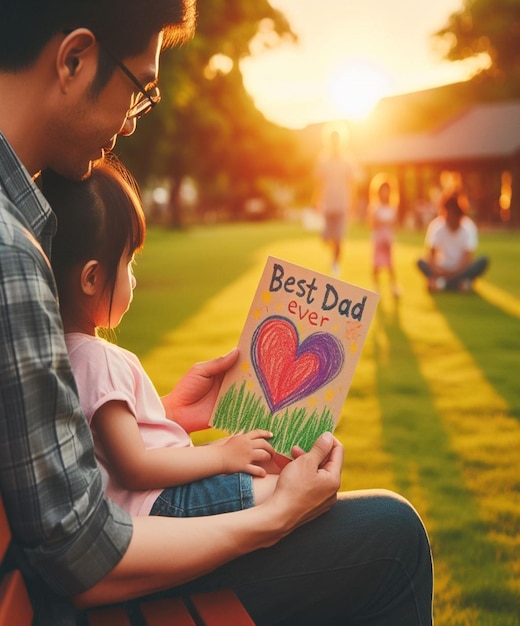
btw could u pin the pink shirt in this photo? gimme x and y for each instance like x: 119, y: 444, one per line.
x: 105, y: 372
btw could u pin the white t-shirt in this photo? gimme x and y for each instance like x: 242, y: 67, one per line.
x: 450, y: 246
x: 106, y: 372
x: 466, y: 222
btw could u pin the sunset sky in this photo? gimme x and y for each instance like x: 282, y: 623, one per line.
x: 350, y: 53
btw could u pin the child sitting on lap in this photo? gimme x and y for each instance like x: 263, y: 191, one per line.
x: 148, y: 461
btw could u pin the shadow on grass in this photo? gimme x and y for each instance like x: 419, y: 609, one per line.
x: 491, y: 336
x: 425, y: 464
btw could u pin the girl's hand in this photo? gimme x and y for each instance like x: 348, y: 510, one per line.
x: 191, y: 402
x: 242, y: 453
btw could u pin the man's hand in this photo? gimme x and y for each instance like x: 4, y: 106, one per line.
x: 191, y: 402
x: 307, y: 487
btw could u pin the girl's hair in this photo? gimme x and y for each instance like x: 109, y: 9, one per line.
x: 378, y: 181
x: 99, y: 218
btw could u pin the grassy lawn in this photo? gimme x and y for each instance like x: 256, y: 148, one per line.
x: 434, y: 408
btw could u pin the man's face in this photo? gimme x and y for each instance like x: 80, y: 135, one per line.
x: 88, y: 126
x: 453, y: 218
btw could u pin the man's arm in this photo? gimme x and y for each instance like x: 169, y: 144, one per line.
x: 50, y: 482
x: 166, y: 552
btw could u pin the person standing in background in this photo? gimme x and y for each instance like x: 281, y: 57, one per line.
x: 382, y: 221
x: 334, y: 191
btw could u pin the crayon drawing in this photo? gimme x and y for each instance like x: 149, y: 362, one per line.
x: 239, y: 410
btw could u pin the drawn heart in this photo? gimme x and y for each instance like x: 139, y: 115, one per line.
x: 287, y: 370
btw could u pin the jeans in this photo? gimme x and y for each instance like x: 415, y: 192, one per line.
x: 208, y: 496
x: 366, y: 561
x: 472, y: 271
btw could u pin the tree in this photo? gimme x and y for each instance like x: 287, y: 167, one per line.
x: 207, y: 126
x: 489, y: 27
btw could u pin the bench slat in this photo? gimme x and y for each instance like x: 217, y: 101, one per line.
x: 15, y: 606
x: 5, y: 531
x: 221, y: 608
x: 167, y: 611
x: 110, y: 616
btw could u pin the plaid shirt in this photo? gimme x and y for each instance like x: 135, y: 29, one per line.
x: 69, y: 534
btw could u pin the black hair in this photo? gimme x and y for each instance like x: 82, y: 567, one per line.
x: 99, y: 218
x: 454, y: 205
x: 125, y: 26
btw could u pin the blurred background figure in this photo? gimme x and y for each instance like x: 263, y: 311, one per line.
x: 451, y: 241
x: 333, y: 195
x: 383, y: 219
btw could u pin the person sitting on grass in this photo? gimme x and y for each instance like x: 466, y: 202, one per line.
x: 450, y: 263
x: 149, y: 463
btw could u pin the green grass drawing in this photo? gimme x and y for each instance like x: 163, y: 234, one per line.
x: 240, y: 411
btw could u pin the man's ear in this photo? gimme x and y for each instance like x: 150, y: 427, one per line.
x: 77, y: 51
x: 91, y: 278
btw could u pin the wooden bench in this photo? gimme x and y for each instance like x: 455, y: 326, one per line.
x: 15, y: 606
x: 218, y: 608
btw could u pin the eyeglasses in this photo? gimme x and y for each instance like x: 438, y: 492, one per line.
x: 147, y: 98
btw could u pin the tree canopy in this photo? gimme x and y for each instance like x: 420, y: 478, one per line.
x: 207, y: 127
x: 490, y: 27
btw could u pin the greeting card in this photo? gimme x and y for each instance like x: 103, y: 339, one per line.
x: 299, y: 349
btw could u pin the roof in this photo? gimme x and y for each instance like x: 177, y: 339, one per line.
x: 485, y: 131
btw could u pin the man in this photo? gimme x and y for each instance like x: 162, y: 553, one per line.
x: 74, y: 75
x: 334, y: 176
x: 452, y: 239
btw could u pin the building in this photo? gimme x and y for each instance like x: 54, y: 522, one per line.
x: 478, y: 149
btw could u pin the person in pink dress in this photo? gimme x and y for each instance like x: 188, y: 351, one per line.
x: 383, y: 220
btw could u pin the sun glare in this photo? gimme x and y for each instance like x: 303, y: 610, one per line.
x: 356, y: 87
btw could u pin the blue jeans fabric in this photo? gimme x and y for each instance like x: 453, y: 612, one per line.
x: 208, y: 496
x: 472, y: 271
x: 366, y: 561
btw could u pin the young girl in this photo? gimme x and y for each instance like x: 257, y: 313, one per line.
x: 383, y: 219
x: 147, y: 459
